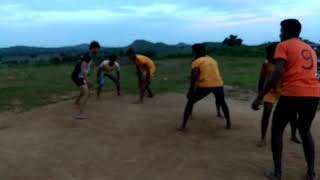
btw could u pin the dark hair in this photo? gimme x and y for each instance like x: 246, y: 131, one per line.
x: 131, y: 52
x: 271, y: 49
x: 94, y: 44
x: 199, y: 50
x: 113, y: 57
x: 292, y: 26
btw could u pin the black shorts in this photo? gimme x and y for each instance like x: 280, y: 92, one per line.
x: 200, y: 93
x: 78, y: 81
x: 289, y: 108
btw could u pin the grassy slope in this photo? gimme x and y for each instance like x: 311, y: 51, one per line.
x: 28, y: 86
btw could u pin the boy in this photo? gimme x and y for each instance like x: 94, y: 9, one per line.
x: 205, y: 79
x: 296, y: 66
x: 80, y: 77
x: 271, y: 98
x: 106, y: 69
x: 145, y: 71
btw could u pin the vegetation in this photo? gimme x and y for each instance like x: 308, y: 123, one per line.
x: 31, y: 77
x: 28, y: 86
x: 232, y: 40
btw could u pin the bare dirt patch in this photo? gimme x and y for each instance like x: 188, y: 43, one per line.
x: 124, y: 141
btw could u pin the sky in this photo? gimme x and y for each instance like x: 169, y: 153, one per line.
x: 57, y: 23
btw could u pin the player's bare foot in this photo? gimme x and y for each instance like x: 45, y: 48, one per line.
x: 312, y: 177
x: 180, y: 128
x: 228, y: 126
x: 262, y: 143
x: 219, y: 116
x: 271, y: 175
x: 81, y: 116
x: 295, y: 140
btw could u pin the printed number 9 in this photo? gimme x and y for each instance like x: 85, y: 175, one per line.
x: 306, y: 55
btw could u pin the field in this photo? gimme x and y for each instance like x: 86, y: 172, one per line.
x: 40, y: 139
x: 23, y: 87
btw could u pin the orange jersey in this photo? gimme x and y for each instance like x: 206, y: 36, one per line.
x: 143, y: 62
x: 209, y: 72
x: 300, y: 69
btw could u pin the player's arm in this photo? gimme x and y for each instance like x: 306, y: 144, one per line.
x: 262, y: 79
x: 139, y: 73
x: 271, y: 83
x: 84, y: 68
x: 194, y: 77
x: 148, y: 74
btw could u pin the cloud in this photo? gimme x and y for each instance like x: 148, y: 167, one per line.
x: 194, y: 17
x: 18, y: 14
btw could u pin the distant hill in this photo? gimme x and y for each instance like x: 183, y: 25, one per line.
x: 155, y: 50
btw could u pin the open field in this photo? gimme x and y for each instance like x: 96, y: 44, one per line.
x: 26, y: 86
x: 124, y: 141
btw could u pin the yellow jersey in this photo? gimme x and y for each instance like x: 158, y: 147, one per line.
x: 143, y: 62
x: 209, y: 72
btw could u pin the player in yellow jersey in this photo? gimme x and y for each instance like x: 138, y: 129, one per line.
x: 146, y: 70
x: 205, y: 79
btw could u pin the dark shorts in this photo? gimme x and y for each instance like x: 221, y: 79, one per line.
x: 289, y: 108
x: 200, y: 93
x: 78, y: 81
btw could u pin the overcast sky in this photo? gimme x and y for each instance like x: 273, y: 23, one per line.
x: 119, y: 22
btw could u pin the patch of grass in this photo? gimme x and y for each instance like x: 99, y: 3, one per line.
x: 28, y: 86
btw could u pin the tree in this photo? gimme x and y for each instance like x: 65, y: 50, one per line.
x: 232, y: 40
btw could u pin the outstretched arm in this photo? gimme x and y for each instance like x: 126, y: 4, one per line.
x: 271, y: 83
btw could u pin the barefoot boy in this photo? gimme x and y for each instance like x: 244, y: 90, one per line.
x: 80, y: 77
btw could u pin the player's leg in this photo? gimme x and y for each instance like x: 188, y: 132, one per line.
x: 218, y: 106
x: 283, y: 112
x: 267, y: 110
x: 219, y: 95
x: 101, y: 82
x: 199, y: 94
x: 150, y: 93
x: 85, y: 96
x: 78, y: 82
x: 307, y: 109
x: 293, y: 124
x: 115, y: 81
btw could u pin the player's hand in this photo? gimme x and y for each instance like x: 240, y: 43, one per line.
x: 90, y: 85
x: 256, y: 104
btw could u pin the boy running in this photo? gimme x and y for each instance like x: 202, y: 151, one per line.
x: 106, y: 69
x: 271, y: 98
x: 205, y: 79
x: 296, y: 66
x: 80, y: 77
x: 145, y: 71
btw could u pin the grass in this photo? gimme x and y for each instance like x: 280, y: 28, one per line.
x: 28, y: 86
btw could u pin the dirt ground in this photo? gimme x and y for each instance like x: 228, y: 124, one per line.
x: 124, y: 141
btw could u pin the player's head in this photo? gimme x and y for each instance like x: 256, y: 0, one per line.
x: 131, y: 54
x: 94, y: 47
x: 290, y: 28
x: 270, y: 51
x: 113, y: 58
x: 199, y: 50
